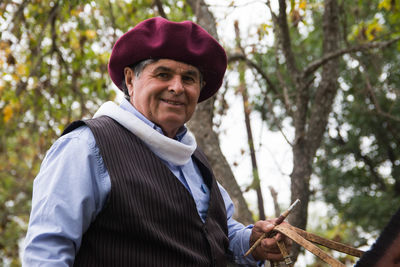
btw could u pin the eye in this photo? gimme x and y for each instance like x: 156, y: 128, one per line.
x: 188, y: 79
x: 163, y: 75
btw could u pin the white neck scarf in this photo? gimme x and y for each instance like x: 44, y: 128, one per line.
x: 166, y: 148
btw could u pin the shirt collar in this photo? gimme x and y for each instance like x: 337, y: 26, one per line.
x: 127, y: 106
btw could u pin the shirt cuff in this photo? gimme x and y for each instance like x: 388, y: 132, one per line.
x: 245, y: 246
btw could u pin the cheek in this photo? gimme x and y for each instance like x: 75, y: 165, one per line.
x: 141, y: 102
x: 193, y: 102
x: 142, y: 96
x: 194, y: 95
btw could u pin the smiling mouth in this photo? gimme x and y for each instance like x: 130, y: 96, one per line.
x: 171, y: 102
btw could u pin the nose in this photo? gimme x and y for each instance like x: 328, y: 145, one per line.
x: 176, y: 85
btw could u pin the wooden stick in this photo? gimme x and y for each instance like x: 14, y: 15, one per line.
x: 309, y: 246
x: 327, y: 243
x: 285, y: 254
x: 280, y: 219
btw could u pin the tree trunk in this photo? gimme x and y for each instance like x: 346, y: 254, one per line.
x: 201, y: 125
x: 309, y: 131
x: 299, y: 187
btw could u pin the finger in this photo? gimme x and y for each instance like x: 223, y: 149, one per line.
x: 263, y: 227
x: 282, y: 237
x: 268, y: 228
x: 274, y: 256
x: 267, y: 253
x: 269, y: 245
x: 278, y: 236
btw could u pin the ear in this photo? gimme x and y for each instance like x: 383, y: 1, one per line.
x: 129, y: 79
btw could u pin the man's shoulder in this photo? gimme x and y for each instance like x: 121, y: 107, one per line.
x: 66, y: 147
x: 81, y: 131
x: 80, y: 136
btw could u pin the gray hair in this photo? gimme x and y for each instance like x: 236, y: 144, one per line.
x: 138, y: 68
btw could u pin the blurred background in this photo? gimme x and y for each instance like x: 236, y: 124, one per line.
x: 309, y: 108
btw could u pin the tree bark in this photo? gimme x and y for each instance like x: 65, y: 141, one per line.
x: 309, y: 131
x: 207, y: 139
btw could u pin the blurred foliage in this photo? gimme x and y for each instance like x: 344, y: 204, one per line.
x: 53, y: 67
x: 358, y: 164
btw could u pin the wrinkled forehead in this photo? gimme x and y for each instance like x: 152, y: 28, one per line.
x: 174, y: 66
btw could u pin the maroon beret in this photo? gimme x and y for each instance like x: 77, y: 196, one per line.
x: 159, y: 38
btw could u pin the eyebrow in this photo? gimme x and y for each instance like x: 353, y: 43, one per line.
x: 194, y: 73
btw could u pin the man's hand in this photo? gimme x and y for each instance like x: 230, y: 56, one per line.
x: 268, y: 248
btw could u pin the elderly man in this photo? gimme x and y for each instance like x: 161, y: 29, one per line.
x: 130, y: 187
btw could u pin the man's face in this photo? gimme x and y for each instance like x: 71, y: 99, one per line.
x: 166, y: 92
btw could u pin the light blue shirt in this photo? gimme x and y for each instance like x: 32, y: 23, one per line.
x: 72, y: 187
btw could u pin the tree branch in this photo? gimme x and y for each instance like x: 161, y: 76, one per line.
x: 318, y: 63
x: 274, y: 196
x: 203, y: 16
x: 285, y: 39
x: 237, y: 57
x: 54, y: 37
x: 283, y: 84
x: 160, y: 8
x: 276, y: 121
x: 372, y: 96
x: 112, y: 19
x: 250, y: 140
x: 18, y: 13
x: 339, y: 140
x: 328, y: 87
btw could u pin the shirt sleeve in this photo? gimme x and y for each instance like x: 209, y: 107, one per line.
x: 68, y: 193
x: 238, y: 234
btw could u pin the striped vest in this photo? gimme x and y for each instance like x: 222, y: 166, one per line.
x: 150, y: 218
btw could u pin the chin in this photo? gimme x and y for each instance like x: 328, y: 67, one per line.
x: 174, y: 120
